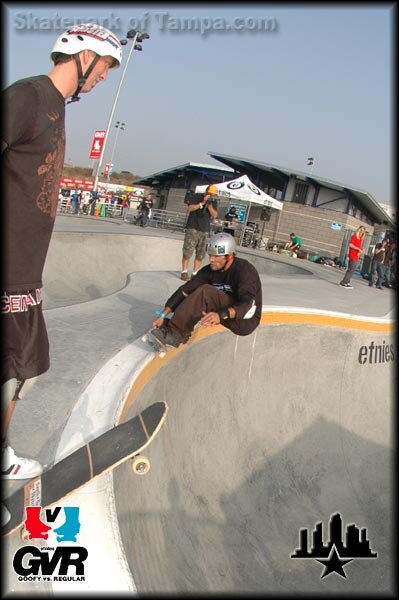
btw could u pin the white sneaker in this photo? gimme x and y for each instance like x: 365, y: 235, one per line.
x: 5, y: 515
x: 17, y: 467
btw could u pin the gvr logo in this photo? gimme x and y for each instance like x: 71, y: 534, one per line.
x: 30, y: 563
x: 37, y: 529
x: 39, y: 561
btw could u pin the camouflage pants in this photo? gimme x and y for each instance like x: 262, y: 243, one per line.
x: 195, y: 241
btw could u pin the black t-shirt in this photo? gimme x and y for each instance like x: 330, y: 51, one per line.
x: 379, y: 256
x: 200, y: 219
x: 32, y: 163
x: 145, y: 205
x: 242, y: 282
x: 229, y: 216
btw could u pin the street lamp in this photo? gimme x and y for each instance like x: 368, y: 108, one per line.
x: 310, y: 164
x: 136, y: 37
x: 120, y: 127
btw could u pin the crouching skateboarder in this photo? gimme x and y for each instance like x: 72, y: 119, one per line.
x: 227, y: 291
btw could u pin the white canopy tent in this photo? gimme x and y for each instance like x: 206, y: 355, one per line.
x: 243, y: 190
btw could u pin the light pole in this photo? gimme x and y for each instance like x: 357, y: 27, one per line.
x: 136, y: 37
x: 120, y: 127
x: 311, y: 164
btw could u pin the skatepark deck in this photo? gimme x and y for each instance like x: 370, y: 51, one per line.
x: 266, y: 435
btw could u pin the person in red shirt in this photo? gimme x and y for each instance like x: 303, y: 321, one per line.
x: 355, y: 250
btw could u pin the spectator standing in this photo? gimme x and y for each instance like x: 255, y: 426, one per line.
x: 75, y: 202
x: 201, y: 209
x: 230, y: 217
x: 92, y: 203
x: 387, y: 264
x: 145, y: 210
x: 354, y: 252
x: 393, y: 265
x: 125, y: 208
x: 85, y: 203
x: 377, y: 264
x: 33, y: 149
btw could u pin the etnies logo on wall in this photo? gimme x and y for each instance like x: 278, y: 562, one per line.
x: 60, y: 563
x: 376, y: 353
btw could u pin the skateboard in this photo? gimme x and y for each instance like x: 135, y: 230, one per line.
x: 104, y: 453
x: 160, y: 348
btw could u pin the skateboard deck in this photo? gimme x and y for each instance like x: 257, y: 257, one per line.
x: 160, y: 348
x: 99, y: 456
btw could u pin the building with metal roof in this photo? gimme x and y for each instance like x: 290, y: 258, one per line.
x: 352, y: 201
x: 323, y: 213
x: 172, y: 185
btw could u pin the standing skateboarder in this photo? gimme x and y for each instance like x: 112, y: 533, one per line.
x: 227, y: 291
x: 33, y: 147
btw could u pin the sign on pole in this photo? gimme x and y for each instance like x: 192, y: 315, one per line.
x: 97, y: 144
x: 108, y: 168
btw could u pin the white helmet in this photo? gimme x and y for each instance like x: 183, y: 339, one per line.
x: 221, y: 244
x: 89, y: 36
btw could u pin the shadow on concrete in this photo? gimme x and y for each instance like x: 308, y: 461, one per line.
x: 264, y: 437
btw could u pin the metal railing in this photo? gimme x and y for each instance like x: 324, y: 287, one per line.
x: 64, y: 205
x: 168, y: 219
x: 160, y: 218
x: 104, y: 209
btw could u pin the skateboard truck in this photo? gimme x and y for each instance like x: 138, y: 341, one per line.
x: 160, y: 348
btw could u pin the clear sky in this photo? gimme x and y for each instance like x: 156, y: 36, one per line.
x: 316, y: 81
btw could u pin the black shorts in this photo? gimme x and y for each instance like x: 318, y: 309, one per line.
x: 25, y: 345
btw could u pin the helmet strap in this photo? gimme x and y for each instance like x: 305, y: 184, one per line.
x: 230, y: 259
x: 82, y: 78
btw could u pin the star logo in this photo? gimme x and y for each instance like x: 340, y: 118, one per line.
x: 334, y: 564
x: 342, y: 547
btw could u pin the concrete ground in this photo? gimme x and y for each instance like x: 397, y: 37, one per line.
x: 266, y: 435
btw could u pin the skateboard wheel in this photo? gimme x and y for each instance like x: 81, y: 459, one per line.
x: 161, y: 354
x: 144, y: 338
x: 140, y: 465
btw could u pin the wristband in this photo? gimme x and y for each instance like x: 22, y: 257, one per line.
x: 201, y: 205
x: 159, y: 313
x: 224, y: 315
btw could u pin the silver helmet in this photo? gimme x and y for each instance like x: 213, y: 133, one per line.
x: 221, y: 244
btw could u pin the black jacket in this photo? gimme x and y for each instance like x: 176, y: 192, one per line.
x: 242, y: 282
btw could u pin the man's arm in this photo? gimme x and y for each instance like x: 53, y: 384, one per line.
x: 240, y: 310
x: 354, y: 247
x: 171, y: 304
x: 177, y: 298
x: 244, y: 305
x: 212, y: 210
x: 19, y: 125
x: 296, y: 243
x: 194, y: 207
